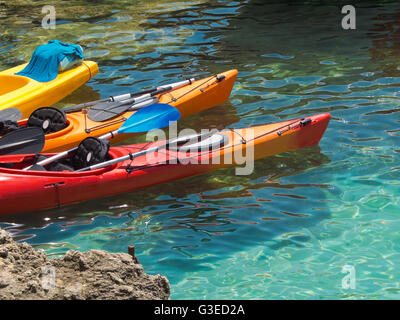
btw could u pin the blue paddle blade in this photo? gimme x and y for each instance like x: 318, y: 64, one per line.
x: 155, y: 116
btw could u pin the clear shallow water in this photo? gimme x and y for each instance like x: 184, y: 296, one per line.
x: 287, y: 230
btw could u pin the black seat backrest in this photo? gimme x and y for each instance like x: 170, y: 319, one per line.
x: 49, y: 119
x: 90, y: 151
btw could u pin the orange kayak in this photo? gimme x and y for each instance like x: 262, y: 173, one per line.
x: 195, y: 97
x: 34, y: 190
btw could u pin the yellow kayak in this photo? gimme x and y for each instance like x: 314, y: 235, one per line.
x: 28, y: 95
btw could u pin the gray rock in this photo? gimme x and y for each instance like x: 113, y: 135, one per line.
x: 26, y: 273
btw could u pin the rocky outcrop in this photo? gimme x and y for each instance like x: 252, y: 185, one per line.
x: 26, y: 273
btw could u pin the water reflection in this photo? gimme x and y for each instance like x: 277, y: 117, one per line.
x: 286, y: 230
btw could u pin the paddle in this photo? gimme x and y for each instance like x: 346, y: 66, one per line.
x: 152, y: 117
x: 174, y: 141
x: 22, y: 141
x: 143, y: 95
x: 12, y: 114
x: 100, y: 113
x: 104, y: 111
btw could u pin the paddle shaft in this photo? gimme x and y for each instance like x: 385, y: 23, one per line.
x: 131, y: 156
x: 53, y: 158
x: 151, y: 92
x: 120, y: 159
x: 139, y: 96
x: 142, y: 98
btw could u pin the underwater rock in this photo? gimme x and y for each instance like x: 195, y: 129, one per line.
x: 26, y: 273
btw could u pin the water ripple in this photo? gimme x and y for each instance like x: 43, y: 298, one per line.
x: 287, y: 230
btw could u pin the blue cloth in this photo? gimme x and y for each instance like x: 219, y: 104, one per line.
x: 43, y: 66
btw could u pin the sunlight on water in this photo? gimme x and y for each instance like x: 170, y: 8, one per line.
x: 287, y: 230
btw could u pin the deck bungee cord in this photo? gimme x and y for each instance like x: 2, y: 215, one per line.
x: 218, y: 78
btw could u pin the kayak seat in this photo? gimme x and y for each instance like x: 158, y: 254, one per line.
x: 62, y: 165
x: 8, y: 126
x: 49, y: 119
x: 59, y: 165
x: 90, y: 151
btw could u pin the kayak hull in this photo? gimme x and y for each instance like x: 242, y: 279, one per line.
x: 35, y: 190
x: 200, y: 95
x: 28, y: 95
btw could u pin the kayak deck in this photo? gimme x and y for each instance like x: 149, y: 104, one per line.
x: 47, y: 189
x: 28, y: 95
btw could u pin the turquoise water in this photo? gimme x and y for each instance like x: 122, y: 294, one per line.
x: 287, y: 230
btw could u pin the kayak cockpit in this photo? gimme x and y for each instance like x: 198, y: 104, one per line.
x: 11, y: 83
x: 15, y: 164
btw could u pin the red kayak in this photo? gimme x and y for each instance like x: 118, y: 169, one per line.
x: 35, y: 190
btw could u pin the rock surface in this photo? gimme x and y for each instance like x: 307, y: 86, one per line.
x: 26, y: 273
